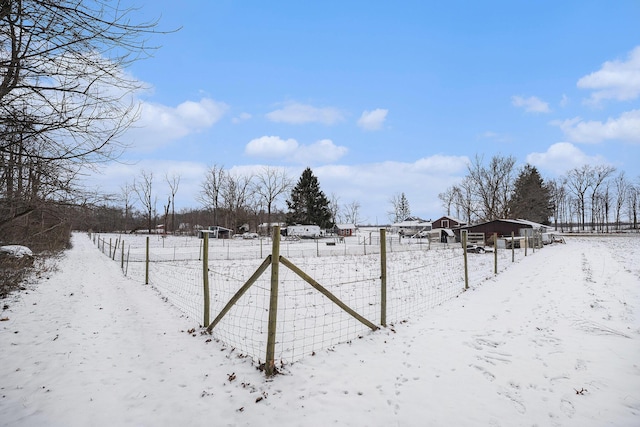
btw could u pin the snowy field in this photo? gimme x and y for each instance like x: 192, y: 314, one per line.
x: 552, y: 340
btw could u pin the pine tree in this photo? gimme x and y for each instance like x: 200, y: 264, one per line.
x: 307, y: 203
x: 400, y: 206
x: 531, y: 199
x: 404, y: 209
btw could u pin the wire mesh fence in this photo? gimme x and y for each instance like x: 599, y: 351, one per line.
x: 419, y: 276
x: 165, y: 248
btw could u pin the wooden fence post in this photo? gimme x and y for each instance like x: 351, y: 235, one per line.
x: 495, y: 253
x: 205, y: 277
x: 146, y: 264
x: 122, y: 257
x: 464, y: 253
x: 126, y: 270
x: 115, y: 249
x: 383, y: 277
x: 269, y: 364
x: 513, y: 247
x: 534, y: 242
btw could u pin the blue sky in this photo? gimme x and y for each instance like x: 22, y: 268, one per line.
x: 380, y: 98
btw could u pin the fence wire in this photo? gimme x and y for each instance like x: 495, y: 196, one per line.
x: 419, y: 277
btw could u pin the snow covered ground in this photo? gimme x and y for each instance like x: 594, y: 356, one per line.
x: 553, y: 340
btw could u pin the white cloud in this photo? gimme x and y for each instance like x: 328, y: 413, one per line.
x: 160, y: 124
x: 115, y: 175
x: 373, y: 184
x: 373, y: 120
x: 296, y: 113
x: 619, y: 80
x: 624, y: 128
x: 323, y: 151
x: 274, y: 147
x: 271, y: 147
x: 561, y: 157
x: 531, y: 105
x: 242, y: 117
x: 439, y: 164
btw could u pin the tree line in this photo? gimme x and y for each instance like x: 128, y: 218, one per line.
x: 589, y: 197
x: 65, y: 101
x: 239, y: 202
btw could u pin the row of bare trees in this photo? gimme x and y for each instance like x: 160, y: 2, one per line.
x: 595, y: 198
x: 589, y: 197
x: 232, y: 196
x: 65, y: 101
x: 227, y: 198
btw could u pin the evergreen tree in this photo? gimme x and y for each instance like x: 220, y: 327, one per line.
x: 531, y: 199
x: 307, y: 203
x: 400, y: 206
x: 404, y: 209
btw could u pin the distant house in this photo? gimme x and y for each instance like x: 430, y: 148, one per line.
x: 411, y: 225
x: 447, y: 222
x: 504, y: 228
x: 344, y: 230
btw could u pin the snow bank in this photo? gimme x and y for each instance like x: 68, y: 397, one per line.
x: 16, y: 251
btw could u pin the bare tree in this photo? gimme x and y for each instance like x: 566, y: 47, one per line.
x: 63, y: 76
x: 210, y: 194
x: 270, y: 184
x: 465, y: 201
x: 599, y: 175
x: 334, y: 208
x: 126, y: 197
x: 579, y: 180
x: 633, y: 200
x: 143, y: 187
x: 558, y: 192
x: 165, y: 217
x: 236, y: 191
x: 622, y: 189
x: 448, y: 198
x: 352, y: 213
x: 173, y: 181
x: 599, y: 206
x: 65, y: 96
x: 492, y: 185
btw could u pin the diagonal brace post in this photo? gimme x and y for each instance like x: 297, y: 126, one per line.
x: 324, y: 291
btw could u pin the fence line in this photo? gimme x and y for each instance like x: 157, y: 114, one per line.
x: 185, y: 248
x: 417, y: 279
